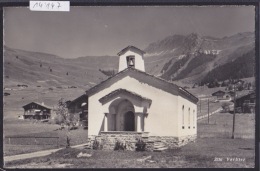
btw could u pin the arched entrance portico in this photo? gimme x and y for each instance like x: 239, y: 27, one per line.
x: 121, y: 116
x: 124, y: 111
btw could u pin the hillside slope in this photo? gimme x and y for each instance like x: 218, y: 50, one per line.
x: 33, y: 68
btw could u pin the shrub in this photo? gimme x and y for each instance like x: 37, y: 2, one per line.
x: 120, y: 145
x: 140, y: 145
x: 58, y: 119
x: 226, y: 106
x: 97, y: 145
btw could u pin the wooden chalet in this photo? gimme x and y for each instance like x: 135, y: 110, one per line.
x: 246, y: 103
x: 80, y: 106
x: 37, y: 111
x: 224, y: 96
x: 221, y: 95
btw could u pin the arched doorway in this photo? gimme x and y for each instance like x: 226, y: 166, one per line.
x: 122, y: 115
x: 129, y: 121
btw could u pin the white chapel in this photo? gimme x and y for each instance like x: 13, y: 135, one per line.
x: 134, y: 105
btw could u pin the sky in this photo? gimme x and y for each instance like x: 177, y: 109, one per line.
x: 99, y: 31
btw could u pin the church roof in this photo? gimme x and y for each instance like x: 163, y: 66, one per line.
x: 130, y: 48
x: 124, y: 91
x: 143, y: 77
x: 218, y: 93
x: 83, y: 97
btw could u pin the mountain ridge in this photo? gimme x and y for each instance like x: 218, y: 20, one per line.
x: 224, y: 49
x: 182, y: 58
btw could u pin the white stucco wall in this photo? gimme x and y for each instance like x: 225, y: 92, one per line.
x: 139, y: 61
x: 190, y: 121
x: 164, y: 116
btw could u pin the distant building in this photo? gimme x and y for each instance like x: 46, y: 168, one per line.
x: 222, y: 96
x: 80, y: 106
x: 219, y: 94
x: 246, y: 103
x: 37, y: 111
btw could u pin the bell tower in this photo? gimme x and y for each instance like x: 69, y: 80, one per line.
x: 131, y: 57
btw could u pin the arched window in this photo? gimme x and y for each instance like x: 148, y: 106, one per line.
x: 189, y: 118
x: 182, y: 116
x: 194, y: 118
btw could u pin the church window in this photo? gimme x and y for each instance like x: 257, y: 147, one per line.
x: 189, y: 118
x: 183, y: 116
x: 194, y: 119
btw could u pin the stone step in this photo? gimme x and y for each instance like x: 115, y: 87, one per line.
x: 160, y: 149
x: 161, y: 146
x: 158, y: 144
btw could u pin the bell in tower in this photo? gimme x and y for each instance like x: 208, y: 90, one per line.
x: 131, y: 57
x: 130, y: 61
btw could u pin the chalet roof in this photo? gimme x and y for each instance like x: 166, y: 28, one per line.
x: 129, y: 48
x: 245, y: 95
x: 143, y: 77
x: 44, y: 106
x: 77, y: 99
x: 119, y: 91
x: 218, y: 92
x: 231, y: 93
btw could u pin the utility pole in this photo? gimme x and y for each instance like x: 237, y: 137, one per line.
x: 208, y: 110
x: 38, y: 97
x: 234, y: 114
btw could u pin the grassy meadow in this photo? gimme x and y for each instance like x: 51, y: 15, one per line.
x: 220, y: 126
x: 199, y: 154
x: 32, y: 129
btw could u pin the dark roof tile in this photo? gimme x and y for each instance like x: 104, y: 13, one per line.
x: 143, y: 77
x: 77, y: 99
x: 119, y: 91
x: 128, y: 48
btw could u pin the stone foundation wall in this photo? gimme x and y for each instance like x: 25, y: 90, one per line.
x: 173, y: 142
x: 108, y: 140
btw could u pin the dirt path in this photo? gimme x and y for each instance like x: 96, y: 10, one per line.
x: 35, y: 154
x: 212, y: 113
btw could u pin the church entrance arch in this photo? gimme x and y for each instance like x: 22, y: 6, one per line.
x: 124, y: 113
